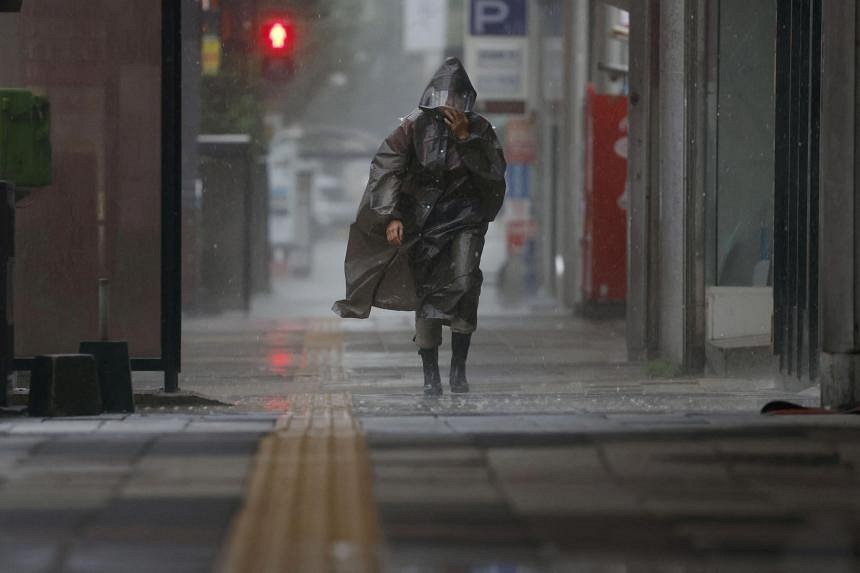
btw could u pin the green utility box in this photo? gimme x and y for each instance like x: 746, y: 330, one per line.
x: 25, y: 138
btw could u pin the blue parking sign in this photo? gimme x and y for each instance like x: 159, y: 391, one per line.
x: 497, y: 18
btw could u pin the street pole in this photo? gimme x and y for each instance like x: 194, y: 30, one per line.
x: 7, y: 259
x: 569, y: 214
x: 840, y: 203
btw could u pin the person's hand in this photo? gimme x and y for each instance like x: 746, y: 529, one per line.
x: 456, y: 121
x: 394, y: 233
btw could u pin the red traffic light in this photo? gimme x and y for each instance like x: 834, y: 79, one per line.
x: 277, y: 36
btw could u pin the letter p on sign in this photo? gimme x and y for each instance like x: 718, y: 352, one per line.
x: 489, y: 13
x: 498, y: 18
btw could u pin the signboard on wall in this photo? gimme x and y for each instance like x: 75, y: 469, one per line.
x: 497, y: 18
x: 210, y: 55
x: 425, y: 25
x: 521, y: 140
x: 496, y: 53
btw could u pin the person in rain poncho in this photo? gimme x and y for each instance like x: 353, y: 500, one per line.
x: 435, y: 184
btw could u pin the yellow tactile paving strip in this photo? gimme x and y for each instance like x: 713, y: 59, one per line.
x: 310, y: 506
x: 322, y: 352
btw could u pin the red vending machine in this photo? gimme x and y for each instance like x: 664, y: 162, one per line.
x: 604, y: 240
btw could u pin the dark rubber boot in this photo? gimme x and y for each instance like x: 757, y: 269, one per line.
x: 432, y: 379
x: 459, y: 353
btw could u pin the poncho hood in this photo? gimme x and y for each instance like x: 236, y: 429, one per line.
x: 449, y: 86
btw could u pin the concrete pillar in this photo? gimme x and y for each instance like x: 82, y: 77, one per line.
x: 672, y: 139
x: 695, y: 140
x: 840, y: 206
x: 545, y: 25
x: 569, y: 213
x: 671, y: 190
x: 666, y: 159
x: 642, y: 147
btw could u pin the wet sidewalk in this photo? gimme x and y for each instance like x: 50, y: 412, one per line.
x: 617, y: 492
x: 119, y: 493
x: 565, y: 457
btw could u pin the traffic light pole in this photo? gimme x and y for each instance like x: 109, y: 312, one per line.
x: 171, y: 192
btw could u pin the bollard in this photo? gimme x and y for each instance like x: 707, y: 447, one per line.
x: 112, y: 361
x: 64, y: 385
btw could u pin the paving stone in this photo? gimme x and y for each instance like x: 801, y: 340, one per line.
x: 9, y: 459
x: 199, y: 489
x: 160, y: 474
x: 767, y: 536
x: 849, y: 454
x: 136, y: 557
x: 88, y: 448
x: 45, y: 522
x: 239, y: 418
x: 547, y: 465
x: 158, y: 515
x: 619, y: 540
x: 145, y: 425
x: 810, y: 496
x: 428, y: 456
x: 53, y: 497
x: 100, y: 417
x: 22, y: 442
x: 428, y: 493
x: 499, y: 533
x: 405, y: 425
x: 652, y: 420
x: 826, y: 475
x: 664, y: 461
x: 491, y: 424
x: 529, y: 498
x: 448, y: 475
x: 206, y: 463
x: 83, y: 475
x: 736, y: 503
x: 69, y: 474
x: 571, y: 422
x: 230, y: 427
x: 200, y: 444
x: 774, y: 446
x: 49, y: 426
x: 27, y: 554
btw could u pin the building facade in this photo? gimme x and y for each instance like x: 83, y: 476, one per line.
x: 741, y: 189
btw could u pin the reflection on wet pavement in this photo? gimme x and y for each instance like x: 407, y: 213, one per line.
x: 564, y: 457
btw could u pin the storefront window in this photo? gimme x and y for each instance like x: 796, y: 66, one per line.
x: 744, y: 142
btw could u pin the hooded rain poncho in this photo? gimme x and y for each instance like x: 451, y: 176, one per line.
x: 445, y: 191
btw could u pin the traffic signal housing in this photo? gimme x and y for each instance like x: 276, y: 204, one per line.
x: 277, y: 43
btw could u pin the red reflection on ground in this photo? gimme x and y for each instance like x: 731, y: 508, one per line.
x: 281, y: 360
x: 277, y: 405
